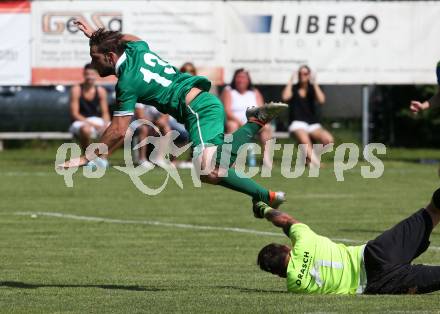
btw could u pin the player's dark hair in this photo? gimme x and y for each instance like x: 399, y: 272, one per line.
x: 186, y: 65
x: 272, y: 259
x: 234, y: 79
x: 89, y: 66
x: 108, y: 41
x: 436, y: 199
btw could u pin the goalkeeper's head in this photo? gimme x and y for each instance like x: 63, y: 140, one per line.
x: 274, y: 258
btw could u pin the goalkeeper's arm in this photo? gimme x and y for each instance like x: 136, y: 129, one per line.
x: 276, y: 217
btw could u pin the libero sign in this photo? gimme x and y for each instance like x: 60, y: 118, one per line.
x: 330, y: 24
x: 344, y: 42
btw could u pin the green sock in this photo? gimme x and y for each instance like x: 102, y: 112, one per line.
x: 245, y: 185
x: 242, y: 136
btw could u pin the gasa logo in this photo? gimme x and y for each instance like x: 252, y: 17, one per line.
x: 59, y: 22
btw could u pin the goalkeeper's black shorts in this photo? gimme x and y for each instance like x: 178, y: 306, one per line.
x: 388, y: 258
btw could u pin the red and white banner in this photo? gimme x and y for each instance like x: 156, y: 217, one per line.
x: 178, y: 32
x: 343, y: 42
x: 15, y: 37
x: 59, y: 50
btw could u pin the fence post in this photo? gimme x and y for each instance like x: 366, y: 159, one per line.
x: 365, y: 115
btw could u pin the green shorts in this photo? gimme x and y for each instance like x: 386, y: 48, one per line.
x: 205, y: 121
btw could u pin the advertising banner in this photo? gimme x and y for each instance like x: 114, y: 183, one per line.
x: 15, y: 36
x: 182, y: 31
x: 59, y: 49
x: 343, y: 42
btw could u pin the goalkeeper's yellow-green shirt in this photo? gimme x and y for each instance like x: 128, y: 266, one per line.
x: 318, y: 265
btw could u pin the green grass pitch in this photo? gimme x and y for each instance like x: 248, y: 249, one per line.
x: 50, y: 264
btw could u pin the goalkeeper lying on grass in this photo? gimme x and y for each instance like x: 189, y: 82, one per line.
x: 315, y: 264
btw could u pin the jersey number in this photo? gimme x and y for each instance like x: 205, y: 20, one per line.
x: 314, y: 272
x: 154, y: 61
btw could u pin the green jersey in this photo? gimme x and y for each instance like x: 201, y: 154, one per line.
x: 318, y: 265
x: 144, y: 77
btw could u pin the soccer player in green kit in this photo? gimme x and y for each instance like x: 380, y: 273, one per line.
x: 317, y: 265
x: 144, y: 77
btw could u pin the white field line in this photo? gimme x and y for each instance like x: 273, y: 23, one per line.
x: 162, y: 224
x: 176, y: 225
x: 25, y: 173
x: 323, y: 195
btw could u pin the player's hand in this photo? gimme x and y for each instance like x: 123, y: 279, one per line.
x: 416, y: 106
x: 73, y: 163
x: 293, y: 78
x: 313, y: 78
x: 84, y: 27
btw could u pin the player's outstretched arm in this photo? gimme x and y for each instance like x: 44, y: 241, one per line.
x: 88, y: 31
x: 128, y: 37
x: 113, y: 136
x: 111, y: 139
x: 84, y: 27
x: 433, y: 102
x: 275, y: 216
x: 417, y: 106
x: 281, y: 219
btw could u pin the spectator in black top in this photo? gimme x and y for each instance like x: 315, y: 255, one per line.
x: 88, y: 108
x: 303, y: 98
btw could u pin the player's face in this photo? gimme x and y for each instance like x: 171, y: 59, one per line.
x: 90, y: 76
x: 283, y: 273
x: 101, y: 62
x: 242, y: 81
x: 303, y: 75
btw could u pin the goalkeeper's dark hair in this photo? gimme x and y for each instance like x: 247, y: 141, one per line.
x: 272, y: 259
x: 108, y: 41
